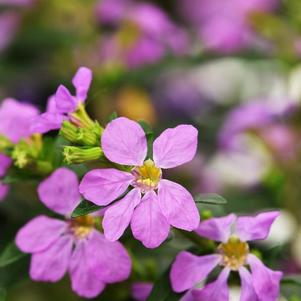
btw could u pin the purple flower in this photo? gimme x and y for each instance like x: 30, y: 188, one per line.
x: 144, y: 34
x: 15, y: 119
x: 233, y: 254
x: 224, y: 26
x: 73, y: 245
x: 257, y: 114
x: 154, y: 203
x: 63, y: 104
x: 141, y: 290
x: 9, y: 24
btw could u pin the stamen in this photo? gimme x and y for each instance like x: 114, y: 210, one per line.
x: 82, y: 226
x: 234, y: 253
x: 147, y: 176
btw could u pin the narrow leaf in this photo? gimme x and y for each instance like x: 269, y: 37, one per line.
x: 10, y: 255
x: 84, y: 208
x: 211, y: 199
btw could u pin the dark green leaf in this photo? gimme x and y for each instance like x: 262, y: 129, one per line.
x: 292, y: 280
x: 162, y: 290
x: 84, y: 208
x: 112, y: 116
x: 10, y: 255
x: 211, y: 199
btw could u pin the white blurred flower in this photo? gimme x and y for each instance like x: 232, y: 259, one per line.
x: 244, y: 167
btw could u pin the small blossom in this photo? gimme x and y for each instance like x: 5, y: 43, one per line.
x: 144, y: 33
x: 154, y: 203
x: 63, y: 104
x: 233, y: 254
x: 224, y: 26
x: 73, y: 245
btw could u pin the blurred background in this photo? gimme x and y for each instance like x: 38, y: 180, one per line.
x: 232, y: 68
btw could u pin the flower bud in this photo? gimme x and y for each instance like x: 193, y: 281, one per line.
x: 78, y: 155
x: 81, y: 136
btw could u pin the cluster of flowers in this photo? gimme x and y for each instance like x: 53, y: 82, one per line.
x: 131, y: 191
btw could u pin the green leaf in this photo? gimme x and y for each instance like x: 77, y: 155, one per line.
x: 211, y: 199
x: 112, y: 116
x: 292, y: 280
x: 10, y: 255
x: 162, y: 290
x: 84, y: 208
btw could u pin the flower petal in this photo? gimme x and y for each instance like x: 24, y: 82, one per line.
x: 5, y: 162
x: 188, y: 270
x: 103, y: 186
x: 265, y: 281
x: 52, y: 263
x: 3, y: 191
x: 15, y: 119
x: 111, y: 260
x: 175, y: 146
x: 247, y: 292
x: 59, y: 192
x: 178, y: 206
x: 46, y: 122
x: 124, y: 142
x: 255, y: 227
x: 82, y: 81
x: 141, y: 290
x: 118, y: 216
x: 148, y: 224
x: 39, y: 233
x: 218, y: 228
x: 65, y: 102
x: 215, y: 291
x: 84, y: 282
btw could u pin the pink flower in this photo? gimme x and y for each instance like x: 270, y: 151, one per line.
x: 141, y: 290
x: 143, y: 34
x: 233, y: 255
x: 73, y: 245
x: 61, y: 106
x: 15, y: 119
x: 154, y: 203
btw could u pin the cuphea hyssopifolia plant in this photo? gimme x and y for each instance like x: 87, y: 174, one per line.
x: 129, y: 189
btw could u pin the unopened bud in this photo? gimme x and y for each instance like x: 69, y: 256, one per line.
x: 82, y: 136
x: 78, y: 155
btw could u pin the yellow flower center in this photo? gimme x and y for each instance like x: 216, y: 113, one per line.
x: 147, y: 176
x: 234, y: 253
x: 82, y: 226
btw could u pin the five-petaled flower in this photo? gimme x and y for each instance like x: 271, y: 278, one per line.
x: 233, y: 254
x: 62, y: 106
x: 154, y: 203
x: 73, y: 245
